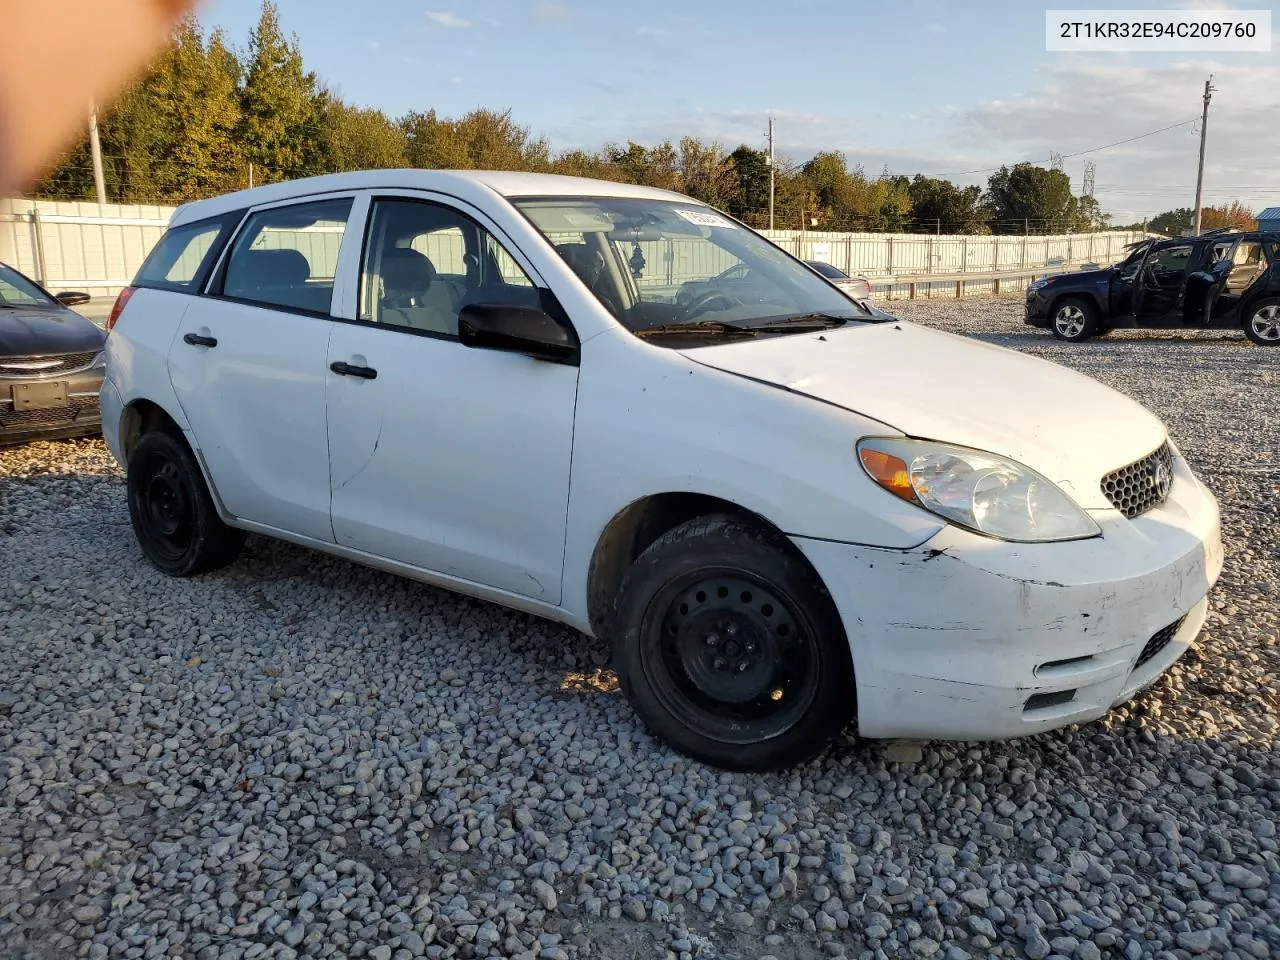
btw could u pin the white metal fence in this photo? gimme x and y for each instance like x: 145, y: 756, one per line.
x: 98, y: 248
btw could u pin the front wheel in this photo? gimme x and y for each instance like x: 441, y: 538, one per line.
x: 730, y: 649
x: 1074, y: 320
x: 1262, y: 322
x: 173, y: 515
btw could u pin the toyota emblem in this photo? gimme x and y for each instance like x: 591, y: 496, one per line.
x: 1162, y: 479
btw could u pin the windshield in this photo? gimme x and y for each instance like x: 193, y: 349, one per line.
x: 17, y: 291
x: 664, y: 265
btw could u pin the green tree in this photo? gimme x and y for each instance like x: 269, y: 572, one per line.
x: 172, y: 136
x: 749, y: 199
x: 1089, y: 216
x: 1172, y: 222
x: 706, y: 173
x: 282, y: 105
x: 941, y: 206
x: 361, y: 139
x: 1029, y: 197
x: 657, y: 166
x: 194, y: 95
x: 479, y: 140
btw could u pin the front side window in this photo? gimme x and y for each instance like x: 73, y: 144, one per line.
x: 661, y: 266
x: 1169, y: 260
x: 17, y: 291
x: 288, y: 256
x: 424, y: 262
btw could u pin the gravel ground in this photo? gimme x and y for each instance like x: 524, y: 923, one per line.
x: 297, y: 757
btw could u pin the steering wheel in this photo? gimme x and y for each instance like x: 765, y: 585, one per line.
x: 702, y: 303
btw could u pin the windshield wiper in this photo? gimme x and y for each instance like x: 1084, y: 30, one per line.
x: 807, y: 321
x: 697, y: 328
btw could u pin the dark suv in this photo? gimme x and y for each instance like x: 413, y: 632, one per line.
x: 1219, y: 279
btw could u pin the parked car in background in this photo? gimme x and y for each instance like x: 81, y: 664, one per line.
x: 1219, y: 279
x: 856, y: 288
x: 51, y: 362
x: 784, y: 513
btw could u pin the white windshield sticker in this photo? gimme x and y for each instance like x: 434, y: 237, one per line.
x: 588, y: 221
x: 704, y: 218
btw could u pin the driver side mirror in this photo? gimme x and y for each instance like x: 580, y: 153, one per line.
x: 516, y: 329
x: 72, y: 298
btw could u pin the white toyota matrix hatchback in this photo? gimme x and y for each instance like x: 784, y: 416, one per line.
x: 784, y: 512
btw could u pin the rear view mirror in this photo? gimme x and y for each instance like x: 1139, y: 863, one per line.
x: 515, y: 329
x: 71, y: 298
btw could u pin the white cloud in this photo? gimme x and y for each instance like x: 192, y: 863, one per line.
x: 935, y: 27
x: 446, y: 19
x: 1088, y: 104
x: 551, y: 12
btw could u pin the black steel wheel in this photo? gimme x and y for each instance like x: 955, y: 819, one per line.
x: 731, y: 649
x: 172, y: 513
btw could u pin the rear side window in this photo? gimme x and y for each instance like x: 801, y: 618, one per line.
x: 184, y: 255
x: 288, y: 256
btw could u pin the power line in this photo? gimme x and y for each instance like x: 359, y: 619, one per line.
x: 1078, y: 153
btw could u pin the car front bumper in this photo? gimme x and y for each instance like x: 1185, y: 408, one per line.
x: 1037, y: 308
x: 80, y: 417
x: 969, y: 638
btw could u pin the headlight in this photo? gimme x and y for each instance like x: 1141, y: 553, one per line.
x: 1037, y: 284
x: 975, y: 490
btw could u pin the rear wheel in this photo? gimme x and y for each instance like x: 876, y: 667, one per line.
x: 730, y: 649
x: 1262, y: 322
x: 1075, y: 319
x: 173, y: 515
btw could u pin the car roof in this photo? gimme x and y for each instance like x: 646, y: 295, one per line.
x: 470, y: 185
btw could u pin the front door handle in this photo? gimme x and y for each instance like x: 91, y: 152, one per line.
x: 344, y: 369
x: 196, y: 340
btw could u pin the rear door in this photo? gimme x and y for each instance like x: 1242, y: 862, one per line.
x: 449, y: 458
x: 249, y: 364
x: 1247, y: 266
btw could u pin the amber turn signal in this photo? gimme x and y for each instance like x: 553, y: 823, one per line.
x: 890, y: 472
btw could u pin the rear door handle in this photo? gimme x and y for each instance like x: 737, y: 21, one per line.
x: 196, y: 340
x: 343, y: 369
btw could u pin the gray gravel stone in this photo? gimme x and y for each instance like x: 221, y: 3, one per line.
x: 297, y: 757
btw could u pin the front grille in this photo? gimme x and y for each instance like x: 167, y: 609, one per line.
x: 1142, y: 485
x: 1159, y: 640
x: 49, y: 416
x: 45, y: 366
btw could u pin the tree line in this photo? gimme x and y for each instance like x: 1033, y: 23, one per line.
x: 207, y: 119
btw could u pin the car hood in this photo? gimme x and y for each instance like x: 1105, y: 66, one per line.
x: 939, y: 386
x: 1079, y: 277
x: 27, y: 332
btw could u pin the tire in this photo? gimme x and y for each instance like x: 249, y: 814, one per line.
x: 173, y: 515
x: 1262, y: 322
x: 1074, y: 320
x: 717, y: 624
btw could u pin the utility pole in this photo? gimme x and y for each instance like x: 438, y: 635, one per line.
x: 1204, y: 123
x: 251, y: 176
x: 95, y: 148
x: 771, y: 167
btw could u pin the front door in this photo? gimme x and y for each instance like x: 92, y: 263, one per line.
x: 1160, y: 285
x: 446, y: 457
x: 249, y: 365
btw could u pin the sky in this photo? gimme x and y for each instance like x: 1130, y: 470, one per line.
x: 917, y: 86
